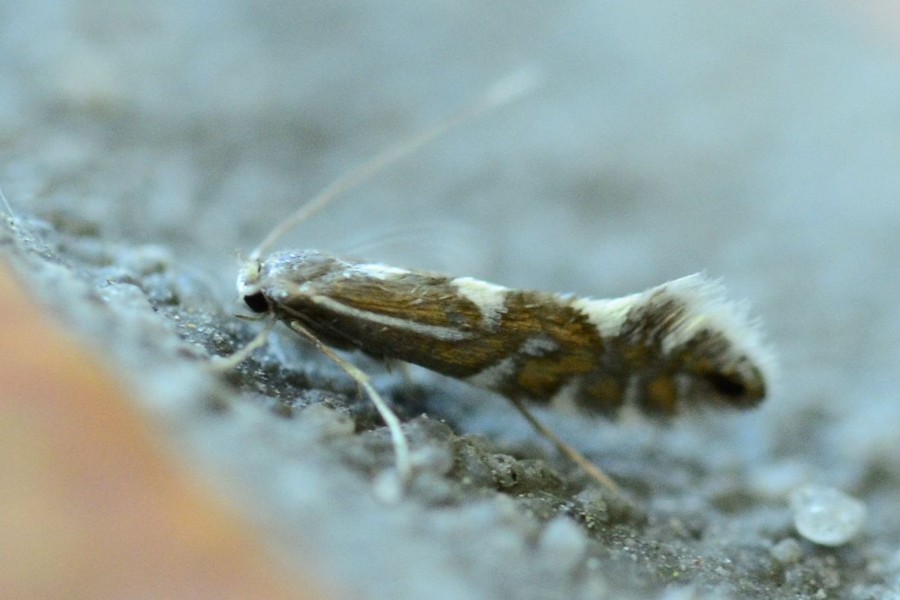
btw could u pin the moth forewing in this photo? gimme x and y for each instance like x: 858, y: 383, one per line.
x: 674, y: 345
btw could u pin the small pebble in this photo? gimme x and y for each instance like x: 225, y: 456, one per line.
x: 787, y: 551
x: 326, y: 421
x: 565, y: 542
x: 826, y: 515
x: 388, y: 487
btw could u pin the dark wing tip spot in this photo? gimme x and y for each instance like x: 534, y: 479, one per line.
x: 736, y: 391
x: 728, y: 386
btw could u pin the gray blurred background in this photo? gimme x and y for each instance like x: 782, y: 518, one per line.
x: 759, y: 142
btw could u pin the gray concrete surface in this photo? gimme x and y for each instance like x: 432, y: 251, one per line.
x: 144, y: 144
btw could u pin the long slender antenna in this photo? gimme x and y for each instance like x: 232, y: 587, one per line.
x: 505, y: 90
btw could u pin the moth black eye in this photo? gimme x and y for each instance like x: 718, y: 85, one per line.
x: 257, y: 302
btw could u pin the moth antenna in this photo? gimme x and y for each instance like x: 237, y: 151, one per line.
x: 501, y: 92
x: 592, y: 470
x: 398, y: 439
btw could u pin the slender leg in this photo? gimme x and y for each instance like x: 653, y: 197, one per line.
x: 226, y: 363
x: 571, y: 453
x: 401, y: 447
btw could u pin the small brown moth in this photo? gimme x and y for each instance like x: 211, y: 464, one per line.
x: 673, y: 346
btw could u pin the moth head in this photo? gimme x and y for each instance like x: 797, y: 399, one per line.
x: 249, y: 286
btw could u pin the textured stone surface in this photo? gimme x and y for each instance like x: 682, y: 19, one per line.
x: 151, y: 141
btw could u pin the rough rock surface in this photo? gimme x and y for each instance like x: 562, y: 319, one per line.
x: 143, y: 144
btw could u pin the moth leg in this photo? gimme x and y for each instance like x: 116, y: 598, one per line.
x: 394, y: 365
x: 592, y: 470
x: 219, y: 364
x: 401, y: 447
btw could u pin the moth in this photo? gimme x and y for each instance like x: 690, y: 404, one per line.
x: 672, y: 345
x: 677, y: 345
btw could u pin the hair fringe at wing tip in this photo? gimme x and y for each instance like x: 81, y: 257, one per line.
x: 703, y: 295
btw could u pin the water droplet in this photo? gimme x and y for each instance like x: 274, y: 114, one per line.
x: 826, y: 515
